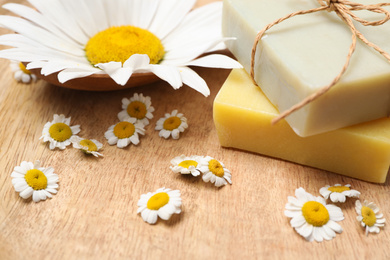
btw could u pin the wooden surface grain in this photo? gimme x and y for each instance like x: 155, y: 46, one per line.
x: 93, y: 216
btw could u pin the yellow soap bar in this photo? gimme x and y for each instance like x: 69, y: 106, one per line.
x: 242, y: 117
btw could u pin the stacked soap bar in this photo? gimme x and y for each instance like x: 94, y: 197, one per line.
x: 242, y: 117
x: 302, y: 54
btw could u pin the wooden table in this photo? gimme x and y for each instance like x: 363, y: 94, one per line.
x: 94, y: 213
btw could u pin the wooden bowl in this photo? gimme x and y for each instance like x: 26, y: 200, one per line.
x: 98, y: 82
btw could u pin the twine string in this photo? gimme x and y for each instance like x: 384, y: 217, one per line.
x: 344, y: 9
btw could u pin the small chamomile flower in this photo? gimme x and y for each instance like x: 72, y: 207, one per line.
x: 32, y: 180
x: 172, y: 124
x: 186, y: 165
x: 88, y: 146
x: 161, y: 203
x: 214, y: 171
x: 369, y: 216
x: 338, y: 193
x: 59, y: 132
x: 125, y: 132
x: 21, y: 74
x: 312, y: 218
x: 139, y: 107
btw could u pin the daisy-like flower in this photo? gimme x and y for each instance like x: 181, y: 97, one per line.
x: 312, y: 218
x: 31, y: 180
x: 78, y: 38
x: 214, y: 171
x: 139, y: 107
x: 161, y: 203
x: 125, y: 132
x: 186, y: 165
x: 171, y: 124
x: 88, y: 146
x: 59, y: 132
x: 338, y: 193
x: 369, y: 216
x: 21, y: 74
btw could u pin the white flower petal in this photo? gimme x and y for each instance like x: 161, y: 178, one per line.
x: 215, y: 61
x: 140, y: 13
x: 122, y: 143
x: 38, y: 34
x: 60, y: 16
x: 71, y: 73
x: 169, y: 15
x: 37, y: 18
x: 116, y: 72
x: 84, y: 12
x: 193, y: 80
x: 169, y: 74
x: 17, y: 40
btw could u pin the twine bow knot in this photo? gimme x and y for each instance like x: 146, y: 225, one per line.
x: 329, y: 3
x: 344, y: 9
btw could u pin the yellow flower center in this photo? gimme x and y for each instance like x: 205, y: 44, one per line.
x: 338, y: 189
x: 36, y: 179
x: 60, y: 132
x: 118, y: 43
x: 315, y: 213
x: 124, y: 130
x: 368, y: 215
x: 188, y: 163
x: 172, y: 123
x: 137, y: 109
x: 23, y: 68
x: 216, y: 168
x: 91, y: 146
x: 157, y: 201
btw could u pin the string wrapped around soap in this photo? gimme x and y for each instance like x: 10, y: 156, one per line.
x: 344, y: 9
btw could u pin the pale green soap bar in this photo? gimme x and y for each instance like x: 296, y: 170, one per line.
x: 242, y: 118
x: 304, y: 53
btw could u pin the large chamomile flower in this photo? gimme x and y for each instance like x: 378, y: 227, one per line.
x: 312, y: 218
x: 139, y: 107
x: 124, y: 133
x: 31, y: 180
x: 338, y: 192
x: 369, y: 216
x: 172, y: 124
x: 161, y: 203
x: 186, y: 165
x: 78, y: 38
x: 88, y: 146
x: 59, y: 132
x: 214, y: 171
x: 21, y: 74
